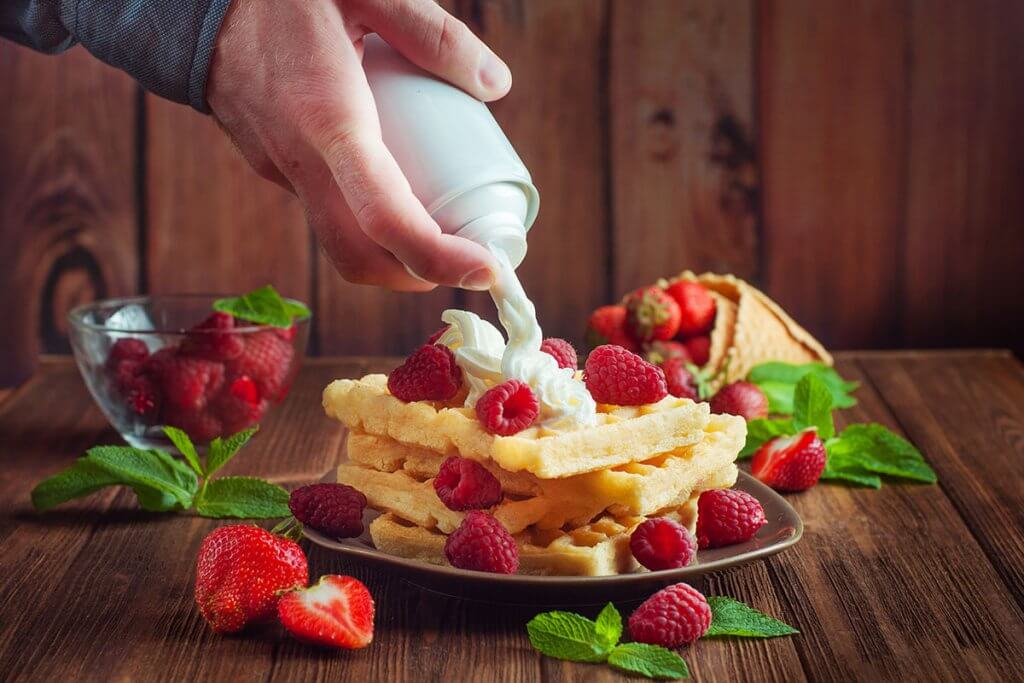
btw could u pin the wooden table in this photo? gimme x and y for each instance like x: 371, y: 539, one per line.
x: 905, y: 583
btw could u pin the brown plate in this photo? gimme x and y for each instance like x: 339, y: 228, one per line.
x: 783, y: 529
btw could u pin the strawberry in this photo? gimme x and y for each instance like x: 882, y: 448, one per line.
x: 790, y: 463
x: 740, y: 398
x: 607, y: 325
x: 652, y: 314
x: 696, y: 307
x: 240, y: 572
x: 336, y: 612
x: 658, y: 352
x: 267, y: 359
x: 679, y: 380
x: 699, y: 349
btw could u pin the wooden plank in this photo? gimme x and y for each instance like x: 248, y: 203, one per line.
x: 213, y: 225
x: 890, y: 584
x: 833, y: 128
x: 683, y: 169
x: 964, y: 213
x: 67, y: 197
x: 968, y: 413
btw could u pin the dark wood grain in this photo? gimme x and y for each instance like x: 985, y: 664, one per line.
x: 67, y: 197
x: 684, y: 174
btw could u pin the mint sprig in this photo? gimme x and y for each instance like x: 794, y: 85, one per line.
x: 163, y: 483
x: 779, y: 380
x: 652, y: 661
x: 860, y: 455
x: 731, y: 617
x: 264, y: 306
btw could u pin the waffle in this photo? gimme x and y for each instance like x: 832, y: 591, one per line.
x: 597, y: 549
x: 621, y: 435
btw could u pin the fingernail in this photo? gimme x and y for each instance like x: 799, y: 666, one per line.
x: 493, y: 73
x: 478, y: 280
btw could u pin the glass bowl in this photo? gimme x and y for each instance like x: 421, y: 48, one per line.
x: 170, y: 360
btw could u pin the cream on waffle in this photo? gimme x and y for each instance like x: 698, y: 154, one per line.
x: 621, y: 434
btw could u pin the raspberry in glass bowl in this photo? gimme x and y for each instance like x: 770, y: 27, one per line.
x: 173, y: 360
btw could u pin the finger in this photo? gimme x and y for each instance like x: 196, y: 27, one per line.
x: 436, y: 41
x: 345, y: 130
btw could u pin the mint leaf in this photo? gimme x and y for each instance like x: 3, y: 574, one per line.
x: 185, y: 446
x: 242, y: 497
x: 263, y: 305
x: 874, y: 448
x: 812, y: 406
x: 609, y: 626
x: 81, y: 479
x: 652, y: 661
x: 851, y: 474
x: 222, y: 450
x: 565, y: 635
x: 778, y: 381
x: 153, y: 470
x: 761, y: 430
x: 731, y: 617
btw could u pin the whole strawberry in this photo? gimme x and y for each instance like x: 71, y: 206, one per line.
x: 671, y: 617
x: 607, y: 325
x: 699, y: 348
x: 727, y: 517
x: 429, y: 374
x: 337, y: 612
x: 790, y: 463
x: 680, y: 381
x: 240, y: 572
x: 696, y: 307
x: 652, y: 314
x: 658, y: 352
x: 619, y: 377
x: 740, y: 398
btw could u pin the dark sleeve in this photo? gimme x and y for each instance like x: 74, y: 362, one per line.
x: 166, y: 45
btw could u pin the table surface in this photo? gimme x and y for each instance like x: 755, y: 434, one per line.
x: 909, y: 582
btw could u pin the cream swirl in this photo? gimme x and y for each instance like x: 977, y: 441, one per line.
x: 487, y: 360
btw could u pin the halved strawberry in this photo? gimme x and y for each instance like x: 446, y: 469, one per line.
x: 336, y: 612
x: 790, y: 463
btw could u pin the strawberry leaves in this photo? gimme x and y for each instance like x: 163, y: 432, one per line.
x: 264, y: 306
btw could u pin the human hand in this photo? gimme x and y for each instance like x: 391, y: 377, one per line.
x: 287, y: 84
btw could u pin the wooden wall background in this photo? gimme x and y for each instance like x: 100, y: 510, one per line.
x: 862, y: 161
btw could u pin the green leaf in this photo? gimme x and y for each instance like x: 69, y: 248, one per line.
x: 243, y: 498
x: 731, y: 617
x: 778, y: 381
x: 263, y: 305
x: 565, y: 635
x: 222, y: 450
x: 852, y: 475
x: 609, y: 626
x: 763, y: 429
x: 780, y: 397
x: 812, y: 406
x: 652, y: 661
x: 875, y: 448
x: 153, y: 470
x: 79, y: 480
x: 185, y: 446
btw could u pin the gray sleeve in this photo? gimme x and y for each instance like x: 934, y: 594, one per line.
x: 166, y: 45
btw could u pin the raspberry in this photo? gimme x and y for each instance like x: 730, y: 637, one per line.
x: 671, y: 617
x: 699, y: 349
x: 562, y: 351
x: 679, y: 380
x: 482, y: 544
x: 464, y: 484
x: 188, y: 383
x: 239, y: 405
x: 127, y: 349
x: 334, y: 509
x: 620, y: 377
x: 143, y: 397
x: 508, y: 408
x: 740, y: 398
x: 429, y: 374
x: 213, y: 339
x: 201, y: 426
x: 662, y: 543
x: 124, y: 374
x: 285, y: 333
x: 651, y: 314
x: 607, y: 325
x: 267, y: 359
x: 697, y: 308
x: 158, y: 362
x: 432, y: 339
x: 790, y: 463
x: 726, y: 517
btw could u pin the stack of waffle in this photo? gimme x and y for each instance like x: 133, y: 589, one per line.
x: 571, y: 499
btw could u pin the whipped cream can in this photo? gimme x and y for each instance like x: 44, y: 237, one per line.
x: 458, y: 161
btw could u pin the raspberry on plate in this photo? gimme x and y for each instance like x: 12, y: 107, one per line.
x: 267, y: 359
x: 651, y: 314
x: 334, y: 509
x: 662, y: 543
x: 697, y: 307
x: 508, y: 408
x: 337, y: 612
x: 790, y: 463
x: 607, y: 325
x: 699, y: 349
x: 726, y: 517
x: 671, y: 617
x: 482, y: 544
x: 678, y: 379
x: 464, y: 484
x: 429, y: 374
x: 562, y: 351
x: 619, y: 377
x: 740, y: 398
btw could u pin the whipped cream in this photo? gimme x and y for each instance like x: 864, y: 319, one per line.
x: 487, y: 359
